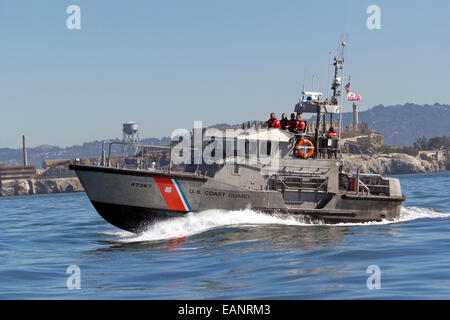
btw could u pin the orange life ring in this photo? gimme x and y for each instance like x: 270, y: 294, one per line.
x: 300, y: 149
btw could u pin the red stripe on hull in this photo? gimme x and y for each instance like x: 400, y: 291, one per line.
x: 170, y: 194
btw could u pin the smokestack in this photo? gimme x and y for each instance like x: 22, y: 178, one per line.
x: 25, y: 160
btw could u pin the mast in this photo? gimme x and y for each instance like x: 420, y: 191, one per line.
x: 338, y: 65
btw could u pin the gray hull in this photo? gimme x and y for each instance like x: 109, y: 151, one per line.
x: 132, y: 199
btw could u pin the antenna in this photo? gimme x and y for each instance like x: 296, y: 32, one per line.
x: 343, y: 45
x: 338, y: 65
x: 304, y: 78
x: 328, y: 78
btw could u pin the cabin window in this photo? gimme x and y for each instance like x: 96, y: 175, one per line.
x: 269, y: 147
x: 236, y: 169
x: 251, y: 147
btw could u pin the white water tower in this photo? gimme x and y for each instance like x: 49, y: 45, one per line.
x: 130, y: 134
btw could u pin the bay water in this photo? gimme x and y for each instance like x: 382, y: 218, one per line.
x: 58, y: 247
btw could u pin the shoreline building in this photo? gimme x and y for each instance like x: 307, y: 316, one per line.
x: 18, y: 172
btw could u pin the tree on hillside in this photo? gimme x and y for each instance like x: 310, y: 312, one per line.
x: 438, y: 142
x: 432, y: 143
x: 420, y: 143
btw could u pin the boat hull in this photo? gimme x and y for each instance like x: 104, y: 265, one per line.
x: 131, y: 218
x: 134, y: 199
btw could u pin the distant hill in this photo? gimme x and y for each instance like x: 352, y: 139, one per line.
x: 401, y: 125
x: 13, y: 157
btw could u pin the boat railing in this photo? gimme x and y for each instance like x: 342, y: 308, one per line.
x: 106, y: 158
x: 371, y: 184
x: 142, y: 151
x: 295, y: 184
x: 364, y: 187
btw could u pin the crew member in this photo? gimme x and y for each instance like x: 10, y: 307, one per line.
x: 273, y: 122
x: 284, y: 122
x: 301, y: 125
x: 331, y: 133
x: 292, y: 124
x: 332, y: 143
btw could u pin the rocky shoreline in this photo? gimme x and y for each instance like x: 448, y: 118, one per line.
x: 396, y: 163
x: 40, y: 186
x: 385, y: 164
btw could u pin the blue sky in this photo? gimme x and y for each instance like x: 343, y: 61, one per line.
x: 165, y: 64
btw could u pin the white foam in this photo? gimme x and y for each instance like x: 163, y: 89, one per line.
x: 413, y: 213
x: 406, y: 214
x: 195, y: 223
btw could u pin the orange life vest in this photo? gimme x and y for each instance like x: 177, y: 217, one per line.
x: 332, y: 134
x: 301, y: 125
x: 295, y: 125
x: 273, y: 123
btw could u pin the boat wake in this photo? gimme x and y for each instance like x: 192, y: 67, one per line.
x: 195, y: 223
x: 413, y: 213
x: 192, y: 224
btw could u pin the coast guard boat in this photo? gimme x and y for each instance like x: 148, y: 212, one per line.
x: 299, y: 174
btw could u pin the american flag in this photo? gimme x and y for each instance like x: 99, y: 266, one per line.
x: 347, y: 87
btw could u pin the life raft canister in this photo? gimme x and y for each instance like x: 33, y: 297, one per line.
x: 352, y: 184
x: 309, y: 148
